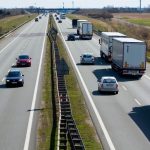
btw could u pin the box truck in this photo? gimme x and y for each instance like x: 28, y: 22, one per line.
x: 106, y: 44
x: 62, y: 16
x: 78, y: 24
x: 86, y: 30
x: 129, y: 56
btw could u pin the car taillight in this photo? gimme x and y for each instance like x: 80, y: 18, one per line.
x: 116, y: 86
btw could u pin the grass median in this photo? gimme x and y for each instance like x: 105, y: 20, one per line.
x: 78, y: 106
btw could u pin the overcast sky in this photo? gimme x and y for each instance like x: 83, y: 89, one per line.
x: 71, y: 3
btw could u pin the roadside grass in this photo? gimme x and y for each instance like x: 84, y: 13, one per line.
x: 140, y: 21
x: 9, y: 23
x: 128, y: 29
x: 98, y: 24
x: 78, y: 106
x: 45, y: 122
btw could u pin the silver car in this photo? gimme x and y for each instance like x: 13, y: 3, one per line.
x: 87, y: 58
x: 108, y: 84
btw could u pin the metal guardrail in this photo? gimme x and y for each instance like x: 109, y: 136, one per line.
x: 68, y: 131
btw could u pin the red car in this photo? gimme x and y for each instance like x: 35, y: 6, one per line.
x: 23, y: 60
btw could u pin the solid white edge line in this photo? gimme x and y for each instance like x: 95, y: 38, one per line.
x: 137, y: 102
x: 27, y: 139
x: 111, y: 145
x: 147, y: 76
x: 14, y: 39
x: 124, y: 88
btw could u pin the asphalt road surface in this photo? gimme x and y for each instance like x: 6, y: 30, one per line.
x: 122, y: 121
x: 18, y: 105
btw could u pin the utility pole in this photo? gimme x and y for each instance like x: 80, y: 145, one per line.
x: 72, y: 4
x: 140, y: 7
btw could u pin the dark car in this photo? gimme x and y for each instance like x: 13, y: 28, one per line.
x: 23, y: 60
x: 57, y: 18
x: 71, y: 37
x: 59, y: 21
x: 36, y: 19
x: 14, y: 77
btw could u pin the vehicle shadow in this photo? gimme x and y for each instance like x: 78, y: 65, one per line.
x: 140, y: 115
x: 15, y: 66
x: 100, y: 61
x: 109, y: 72
x: 97, y: 93
x: 2, y: 86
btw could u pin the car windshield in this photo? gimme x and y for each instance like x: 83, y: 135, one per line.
x: 23, y: 57
x: 109, y: 81
x: 87, y: 56
x: 14, y: 74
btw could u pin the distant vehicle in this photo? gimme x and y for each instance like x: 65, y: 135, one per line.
x: 40, y: 17
x: 129, y: 56
x: 36, y: 19
x: 86, y: 30
x: 23, y: 60
x: 74, y: 23
x: 14, y: 77
x: 59, y: 21
x: 108, y: 84
x: 106, y: 44
x: 63, y: 16
x: 57, y: 18
x: 87, y: 58
x: 71, y: 37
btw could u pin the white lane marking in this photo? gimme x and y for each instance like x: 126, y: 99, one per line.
x: 124, y: 88
x: 8, y: 35
x: 3, y: 79
x: 111, y: 145
x: 27, y: 139
x: 147, y: 76
x: 13, y: 64
x: 14, y: 39
x: 137, y: 102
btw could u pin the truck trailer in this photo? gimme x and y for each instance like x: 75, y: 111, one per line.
x: 78, y: 24
x: 86, y: 30
x: 129, y: 56
x: 106, y: 44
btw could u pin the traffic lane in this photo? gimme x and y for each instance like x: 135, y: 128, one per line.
x: 115, y: 102
x: 24, y: 96
x: 12, y: 36
x: 92, y: 80
x: 20, y: 46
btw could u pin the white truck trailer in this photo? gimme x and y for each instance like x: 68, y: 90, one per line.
x: 129, y: 56
x: 106, y: 44
x: 78, y: 25
x: 62, y: 16
x: 86, y: 30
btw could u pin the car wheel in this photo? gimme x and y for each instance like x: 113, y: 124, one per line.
x: 116, y: 92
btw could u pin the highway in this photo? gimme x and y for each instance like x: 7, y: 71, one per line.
x: 18, y: 120
x: 122, y: 121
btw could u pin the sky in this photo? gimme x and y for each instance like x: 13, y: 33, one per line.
x: 72, y: 3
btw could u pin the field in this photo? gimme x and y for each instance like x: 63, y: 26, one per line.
x: 136, y: 18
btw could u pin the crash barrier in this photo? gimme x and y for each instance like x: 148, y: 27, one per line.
x: 67, y: 131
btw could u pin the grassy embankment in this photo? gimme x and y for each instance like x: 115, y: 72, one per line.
x: 9, y: 23
x: 140, y: 33
x: 79, y: 109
